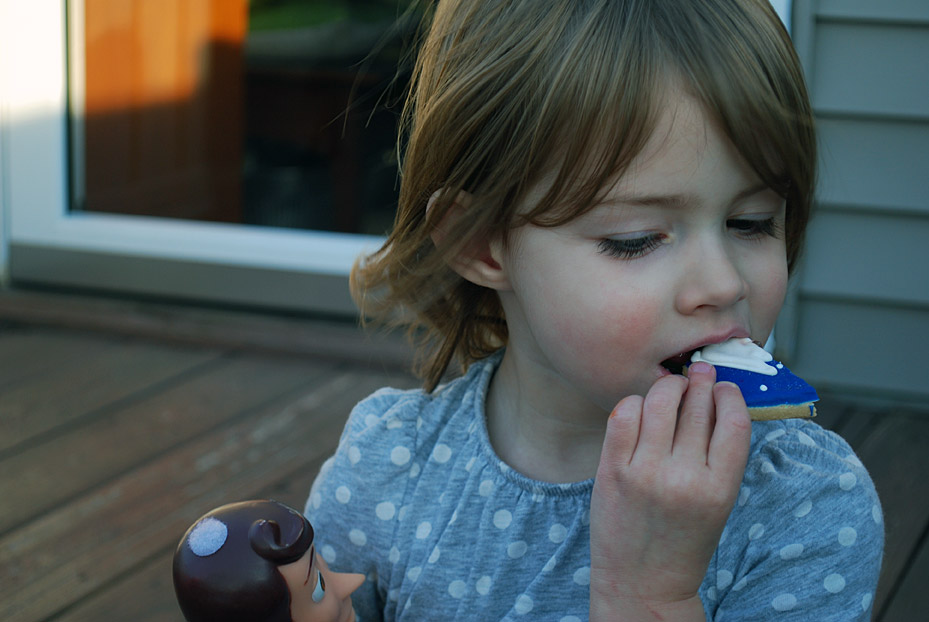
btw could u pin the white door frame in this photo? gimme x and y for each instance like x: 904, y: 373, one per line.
x: 45, y: 243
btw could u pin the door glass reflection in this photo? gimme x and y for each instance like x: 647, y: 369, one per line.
x: 278, y: 113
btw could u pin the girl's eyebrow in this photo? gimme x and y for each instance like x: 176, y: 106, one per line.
x: 678, y: 200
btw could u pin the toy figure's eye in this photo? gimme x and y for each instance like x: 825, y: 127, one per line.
x: 319, y: 592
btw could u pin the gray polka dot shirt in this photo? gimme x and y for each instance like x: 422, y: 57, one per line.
x: 416, y: 499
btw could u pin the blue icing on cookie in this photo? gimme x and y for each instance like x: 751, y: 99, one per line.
x: 762, y: 390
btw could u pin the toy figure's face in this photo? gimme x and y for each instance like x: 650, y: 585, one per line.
x: 318, y: 594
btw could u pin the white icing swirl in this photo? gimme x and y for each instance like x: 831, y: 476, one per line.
x: 738, y: 354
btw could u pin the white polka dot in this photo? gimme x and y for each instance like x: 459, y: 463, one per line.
x: 847, y: 481
x: 582, y: 576
x: 414, y: 470
x: 399, y: 455
x: 502, y: 519
x: 557, y: 533
x: 371, y: 420
x: 866, y: 601
x: 343, y: 494
x: 328, y: 553
x: 876, y: 513
x: 723, y: 579
x: 470, y: 464
x: 423, y: 530
x: 486, y: 487
x: 570, y: 619
x: 803, y: 509
x: 442, y: 453
x: 393, y: 423
x: 805, y: 439
x: 853, y: 460
x: 744, y: 494
x: 767, y: 467
x: 834, y: 583
x: 763, y: 387
x: 711, y: 593
x: 483, y: 585
x: 517, y: 549
x: 354, y: 455
x: 394, y: 555
x: 413, y: 573
x: 523, y: 604
x: 434, y: 556
x: 457, y: 588
x: 550, y: 564
x: 770, y: 436
x: 847, y: 536
x: 784, y: 602
x: 755, y: 531
x: 792, y: 551
x: 316, y: 500
x: 357, y: 537
x: 740, y: 584
x: 385, y: 510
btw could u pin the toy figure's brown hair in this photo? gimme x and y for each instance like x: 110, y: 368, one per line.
x: 507, y: 93
x: 225, y: 567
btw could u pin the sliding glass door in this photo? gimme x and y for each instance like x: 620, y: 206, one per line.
x: 220, y: 150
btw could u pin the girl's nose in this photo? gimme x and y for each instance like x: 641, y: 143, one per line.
x: 711, y: 278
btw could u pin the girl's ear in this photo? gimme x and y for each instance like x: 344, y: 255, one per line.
x: 480, y: 261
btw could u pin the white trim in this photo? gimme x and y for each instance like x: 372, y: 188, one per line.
x: 35, y: 180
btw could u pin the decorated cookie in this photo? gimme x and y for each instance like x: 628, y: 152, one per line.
x: 770, y: 390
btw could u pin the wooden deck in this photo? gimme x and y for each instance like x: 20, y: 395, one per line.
x: 121, y: 423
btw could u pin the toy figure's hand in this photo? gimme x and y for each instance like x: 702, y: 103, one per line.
x: 668, y: 477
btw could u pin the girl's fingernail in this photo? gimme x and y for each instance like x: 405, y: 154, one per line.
x: 700, y: 367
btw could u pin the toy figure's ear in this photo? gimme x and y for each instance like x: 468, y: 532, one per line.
x: 481, y: 259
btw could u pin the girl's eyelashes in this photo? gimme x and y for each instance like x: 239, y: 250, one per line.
x: 630, y: 248
x: 319, y: 592
x: 756, y: 228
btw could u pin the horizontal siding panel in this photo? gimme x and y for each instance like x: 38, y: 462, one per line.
x: 863, y: 348
x: 892, y: 10
x: 874, y: 164
x: 871, y: 69
x: 868, y: 256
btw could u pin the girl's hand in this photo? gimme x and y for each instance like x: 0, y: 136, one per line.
x: 669, y: 474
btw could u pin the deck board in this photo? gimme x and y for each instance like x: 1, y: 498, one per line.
x: 113, y: 442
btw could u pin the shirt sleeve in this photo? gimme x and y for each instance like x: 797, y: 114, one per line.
x: 360, y: 489
x: 805, y: 539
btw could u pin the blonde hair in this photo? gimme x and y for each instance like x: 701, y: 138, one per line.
x: 508, y: 91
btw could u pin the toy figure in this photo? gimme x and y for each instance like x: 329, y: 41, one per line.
x: 254, y: 561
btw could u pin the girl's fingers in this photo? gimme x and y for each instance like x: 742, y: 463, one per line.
x: 697, y: 419
x: 622, y: 431
x: 659, y: 418
x: 731, y: 438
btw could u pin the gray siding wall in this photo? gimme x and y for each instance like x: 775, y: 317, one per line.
x: 857, y: 317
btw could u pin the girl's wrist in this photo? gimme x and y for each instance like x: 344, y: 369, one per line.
x: 610, y: 608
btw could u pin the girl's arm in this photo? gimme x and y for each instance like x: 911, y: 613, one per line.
x: 669, y: 475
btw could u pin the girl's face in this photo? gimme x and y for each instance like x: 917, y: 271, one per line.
x: 316, y: 593
x: 686, y: 249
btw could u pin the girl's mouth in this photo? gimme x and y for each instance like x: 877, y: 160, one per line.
x: 676, y: 363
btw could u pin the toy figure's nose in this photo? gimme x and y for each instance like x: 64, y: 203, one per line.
x: 346, y: 583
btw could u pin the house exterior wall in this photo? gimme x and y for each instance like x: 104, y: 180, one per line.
x: 857, y: 317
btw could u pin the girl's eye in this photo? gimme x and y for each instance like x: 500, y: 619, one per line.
x: 629, y: 248
x: 751, y: 228
x: 319, y: 592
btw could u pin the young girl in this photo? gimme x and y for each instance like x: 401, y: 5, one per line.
x: 591, y: 190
